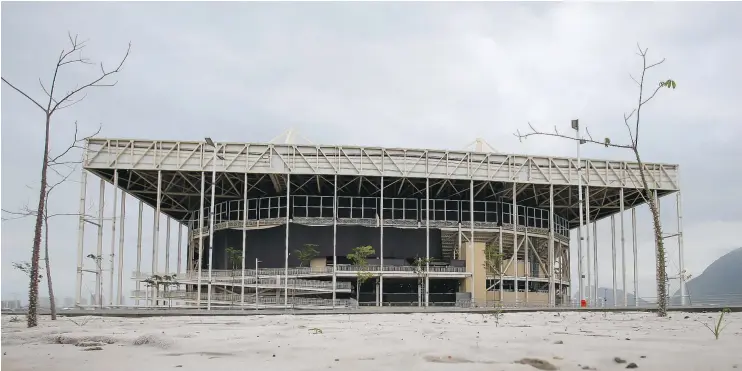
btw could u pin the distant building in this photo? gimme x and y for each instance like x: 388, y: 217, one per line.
x: 11, y: 304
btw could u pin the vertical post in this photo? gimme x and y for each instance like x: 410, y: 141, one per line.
x: 592, y: 296
x: 680, y: 249
x: 200, y: 239
x: 113, y: 236
x: 167, y: 245
x: 581, y: 284
x: 427, y: 241
x: 180, y: 249
x: 119, y: 286
x: 552, y: 294
x: 335, y: 237
x: 99, y: 252
x: 471, y: 240
x: 81, y: 235
x: 623, y: 254
x: 596, y: 282
x: 156, y: 233
x: 526, y: 254
x: 381, y: 242
x: 502, y: 273
x: 211, y: 229
x: 515, y: 240
x: 636, y: 259
x: 257, y: 291
x: 244, y: 240
x: 613, y: 257
x: 139, y: 252
x: 286, y: 261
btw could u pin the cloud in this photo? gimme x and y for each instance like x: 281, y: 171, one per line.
x: 431, y: 75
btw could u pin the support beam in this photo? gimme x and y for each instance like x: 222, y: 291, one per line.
x: 592, y: 296
x: 244, y: 241
x: 211, y: 230
x: 112, y: 256
x: 167, y: 245
x: 623, y: 254
x: 156, y: 233
x: 636, y: 259
x: 552, y: 293
x: 180, y: 249
x: 139, y: 250
x: 681, y: 265
x: 613, y: 257
x: 471, y: 238
x: 200, y: 244
x: 286, y: 266
x: 99, y: 251
x: 81, y: 235
x: 335, y: 236
x: 501, y: 268
x: 120, y: 283
x: 381, y: 238
x: 427, y: 241
x: 596, y: 265
x: 526, y: 256
x: 515, y: 237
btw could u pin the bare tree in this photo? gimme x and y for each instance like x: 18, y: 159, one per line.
x: 633, y: 145
x: 67, y: 57
x: 70, y: 166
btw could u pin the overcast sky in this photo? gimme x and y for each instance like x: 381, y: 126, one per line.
x: 429, y: 75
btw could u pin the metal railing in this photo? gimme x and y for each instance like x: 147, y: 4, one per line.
x: 273, y: 210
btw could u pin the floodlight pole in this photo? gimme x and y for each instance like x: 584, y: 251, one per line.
x: 581, y: 287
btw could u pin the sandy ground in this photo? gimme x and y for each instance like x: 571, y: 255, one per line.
x: 568, y: 341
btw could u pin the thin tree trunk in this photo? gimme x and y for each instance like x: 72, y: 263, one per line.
x: 659, y: 243
x: 48, y: 265
x: 33, y: 286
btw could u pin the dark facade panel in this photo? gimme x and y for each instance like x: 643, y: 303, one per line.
x: 268, y: 245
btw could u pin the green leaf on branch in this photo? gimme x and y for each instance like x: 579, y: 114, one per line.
x: 669, y: 83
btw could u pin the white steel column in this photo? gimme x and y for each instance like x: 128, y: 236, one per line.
x: 592, y: 296
x: 211, y: 229
x: 81, y: 235
x: 636, y: 259
x: 99, y: 252
x: 623, y: 254
x: 526, y: 253
x: 381, y: 241
x: 471, y: 241
x: 552, y: 294
x: 596, y: 266
x: 111, y: 293
x: 613, y: 257
x: 335, y: 236
x: 167, y: 245
x: 156, y: 233
x: 427, y: 241
x: 200, y: 240
x: 139, y: 252
x: 515, y: 240
x: 180, y: 248
x: 244, y: 241
x: 119, y: 286
x: 286, y: 267
x: 683, y: 294
x: 502, y: 273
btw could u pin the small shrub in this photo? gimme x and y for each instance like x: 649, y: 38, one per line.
x: 716, y: 330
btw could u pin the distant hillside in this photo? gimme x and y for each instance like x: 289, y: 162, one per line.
x: 720, y: 282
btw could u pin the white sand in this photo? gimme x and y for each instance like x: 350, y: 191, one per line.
x: 377, y: 342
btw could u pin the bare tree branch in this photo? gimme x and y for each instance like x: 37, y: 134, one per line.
x: 23, y: 93
x: 535, y: 132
